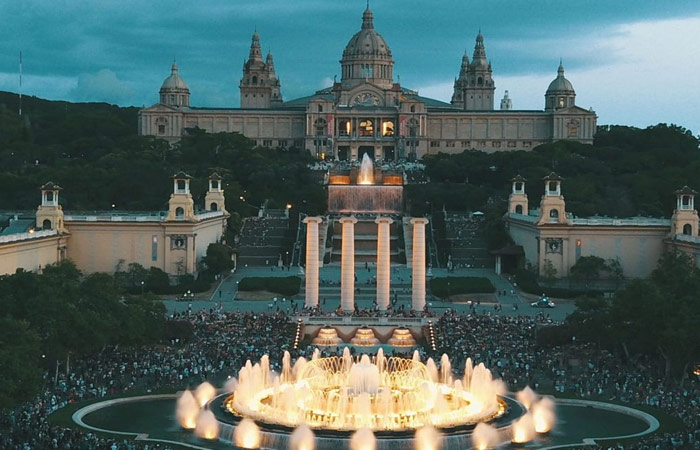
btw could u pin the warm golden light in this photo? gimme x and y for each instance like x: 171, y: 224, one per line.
x: 523, y: 430
x: 204, y: 393
x: 207, y: 425
x: 543, y: 415
x: 247, y: 434
x: 187, y: 410
x: 378, y: 393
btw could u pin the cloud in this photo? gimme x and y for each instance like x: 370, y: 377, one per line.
x: 643, y: 73
x: 102, y: 86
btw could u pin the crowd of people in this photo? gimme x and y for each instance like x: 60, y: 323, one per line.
x: 507, y: 346
x: 223, y: 341
x: 262, y: 231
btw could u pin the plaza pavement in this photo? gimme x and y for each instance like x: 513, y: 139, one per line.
x: 227, y: 291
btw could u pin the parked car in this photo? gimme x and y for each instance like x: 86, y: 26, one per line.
x: 544, y: 302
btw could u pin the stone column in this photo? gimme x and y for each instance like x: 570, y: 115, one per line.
x: 312, y: 261
x: 418, y: 282
x: 383, y: 262
x: 347, y: 265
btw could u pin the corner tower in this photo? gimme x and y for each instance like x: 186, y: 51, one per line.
x: 174, y: 91
x: 214, y: 199
x: 49, y: 215
x: 685, y: 217
x: 552, y: 205
x: 181, y: 204
x: 260, y: 87
x: 480, y: 87
x: 517, y: 201
x: 560, y: 93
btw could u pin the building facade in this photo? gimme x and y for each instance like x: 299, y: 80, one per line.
x: 367, y: 111
x: 174, y: 241
x: 553, y: 239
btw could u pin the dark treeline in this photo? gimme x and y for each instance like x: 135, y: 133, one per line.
x: 47, y: 318
x: 93, y: 151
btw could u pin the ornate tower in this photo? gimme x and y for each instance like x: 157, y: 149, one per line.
x: 367, y: 57
x: 461, y: 84
x: 274, y: 82
x: 685, y: 217
x: 181, y: 205
x: 49, y: 215
x: 560, y: 93
x: 214, y: 200
x: 506, y: 102
x: 517, y: 201
x: 552, y: 205
x: 259, y: 86
x: 480, y: 86
x: 174, y: 91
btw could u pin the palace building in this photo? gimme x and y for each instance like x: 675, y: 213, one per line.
x: 174, y: 240
x: 369, y: 112
x: 549, y: 237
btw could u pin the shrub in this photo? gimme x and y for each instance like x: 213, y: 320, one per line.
x: 460, y: 285
x: 280, y: 285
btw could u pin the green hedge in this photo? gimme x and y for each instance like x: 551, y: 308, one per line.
x: 527, y: 281
x: 460, y: 285
x: 279, y: 285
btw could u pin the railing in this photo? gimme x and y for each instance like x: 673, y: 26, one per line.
x: 687, y: 238
x: 113, y: 218
x: 632, y: 221
x: 209, y: 215
x: 25, y: 236
x: 349, y: 320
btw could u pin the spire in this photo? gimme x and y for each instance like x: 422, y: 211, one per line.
x: 464, y: 69
x: 270, y: 63
x: 560, y: 70
x: 367, y: 19
x: 479, y: 50
x: 173, y: 68
x: 255, y: 53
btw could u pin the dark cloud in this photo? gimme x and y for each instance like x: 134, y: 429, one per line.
x: 123, y: 48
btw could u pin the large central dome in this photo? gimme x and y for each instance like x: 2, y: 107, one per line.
x: 367, y: 57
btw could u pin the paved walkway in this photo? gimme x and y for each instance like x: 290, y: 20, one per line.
x: 512, y: 302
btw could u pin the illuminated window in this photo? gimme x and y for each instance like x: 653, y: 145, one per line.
x: 344, y: 127
x: 388, y: 128
x: 366, y: 127
x: 154, y: 248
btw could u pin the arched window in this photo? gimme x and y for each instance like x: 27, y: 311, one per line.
x: 687, y: 229
x: 320, y: 108
x: 255, y: 79
x: 413, y: 108
x: 388, y: 128
x: 480, y: 81
x: 554, y: 215
x: 46, y: 224
x: 518, y: 209
x: 214, y: 206
x: 179, y: 213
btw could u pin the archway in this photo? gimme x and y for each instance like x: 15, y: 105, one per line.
x: 46, y: 224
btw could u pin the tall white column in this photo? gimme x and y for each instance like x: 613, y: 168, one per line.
x: 418, y: 266
x: 312, y: 260
x: 383, y: 262
x: 347, y: 265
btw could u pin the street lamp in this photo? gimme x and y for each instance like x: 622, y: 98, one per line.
x: 142, y: 285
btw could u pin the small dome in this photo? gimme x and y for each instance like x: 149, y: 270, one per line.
x: 560, y: 83
x: 367, y: 43
x: 174, y: 81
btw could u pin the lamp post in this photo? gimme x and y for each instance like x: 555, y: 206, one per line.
x: 142, y: 286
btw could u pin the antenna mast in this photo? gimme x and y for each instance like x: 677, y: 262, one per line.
x: 20, y: 84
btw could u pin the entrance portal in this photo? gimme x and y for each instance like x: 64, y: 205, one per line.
x: 388, y: 153
x: 343, y: 152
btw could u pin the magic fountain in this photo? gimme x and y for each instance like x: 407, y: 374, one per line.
x: 366, y: 402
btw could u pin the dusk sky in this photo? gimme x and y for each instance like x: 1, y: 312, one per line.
x: 635, y: 62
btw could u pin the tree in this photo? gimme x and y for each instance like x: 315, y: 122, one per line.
x: 20, y: 359
x: 218, y: 258
x: 549, y: 272
x: 588, y: 268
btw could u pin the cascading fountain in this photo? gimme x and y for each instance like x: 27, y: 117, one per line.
x: 366, y: 174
